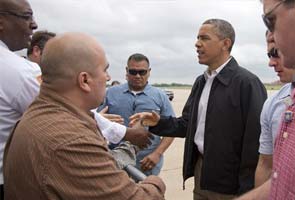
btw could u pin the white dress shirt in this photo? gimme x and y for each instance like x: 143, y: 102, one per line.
x: 112, y: 131
x: 202, y: 110
x: 18, y: 88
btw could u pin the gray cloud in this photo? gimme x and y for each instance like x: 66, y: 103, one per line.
x: 164, y: 30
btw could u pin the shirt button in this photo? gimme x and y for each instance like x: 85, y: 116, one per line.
x: 275, y: 175
x: 285, y: 135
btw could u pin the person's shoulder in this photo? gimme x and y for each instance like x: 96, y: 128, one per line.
x: 156, y: 90
x: 59, y: 126
x: 112, y: 90
x: 17, y: 65
x: 244, y: 76
x: 117, y: 88
x: 243, y: 72
x: 284, y: 91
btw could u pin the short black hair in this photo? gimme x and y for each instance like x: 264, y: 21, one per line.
x: 138, y: 57
x: 39, y: 39
x: 223, y: 30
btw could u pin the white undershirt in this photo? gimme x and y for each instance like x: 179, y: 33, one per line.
x: 113, y: 132
x: 202, y: 110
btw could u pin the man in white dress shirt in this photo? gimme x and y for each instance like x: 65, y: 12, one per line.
x: 18, y: 82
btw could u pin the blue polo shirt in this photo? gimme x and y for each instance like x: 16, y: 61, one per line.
x: 122, y: 101
x: 271, y: 118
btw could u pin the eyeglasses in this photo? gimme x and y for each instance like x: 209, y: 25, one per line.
x: 134, y: 72
x: 273, y: 53
x: 268, y: 21
x: 27, y: 16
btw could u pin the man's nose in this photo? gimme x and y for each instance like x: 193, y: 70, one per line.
x: 272, y: 63
x: 33, y: 25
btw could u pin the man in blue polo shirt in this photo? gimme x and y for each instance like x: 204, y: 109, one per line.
x: 137, y: 96
x: 272, y: 112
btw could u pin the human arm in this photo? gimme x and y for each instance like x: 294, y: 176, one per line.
x: 149, y: 161
x: 115, y: 132
x: 264, y: 166
x: 260, y: 193
x: 170, y: 126
x: 88, y: 171
x: 263, y: 170
x: 27, y: 90
x: 167, y: 126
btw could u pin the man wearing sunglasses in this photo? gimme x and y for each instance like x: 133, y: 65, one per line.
x: 18, y: 80
x: 272, y: 110
x: 137, y: 96
x: 279, y: 18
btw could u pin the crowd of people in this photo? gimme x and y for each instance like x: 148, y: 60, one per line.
x: 64, y: 136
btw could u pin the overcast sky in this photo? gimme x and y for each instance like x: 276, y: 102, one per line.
x: 164, y: 30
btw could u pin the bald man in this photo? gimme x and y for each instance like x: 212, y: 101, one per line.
x: 66, y: 157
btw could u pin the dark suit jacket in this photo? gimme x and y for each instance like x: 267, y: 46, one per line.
x: 232, y: 130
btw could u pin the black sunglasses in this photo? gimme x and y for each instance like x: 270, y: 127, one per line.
x: 269, y: 21
x: 26, y: 17
x: 273, y: 53
x: 134, y: 72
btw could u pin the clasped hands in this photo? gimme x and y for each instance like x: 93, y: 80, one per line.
x: 136, y: 133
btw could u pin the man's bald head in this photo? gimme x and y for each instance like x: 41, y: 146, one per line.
x: 75, y: 66
x: 65, y: 56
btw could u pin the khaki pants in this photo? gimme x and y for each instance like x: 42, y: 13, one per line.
x: 206, y: 194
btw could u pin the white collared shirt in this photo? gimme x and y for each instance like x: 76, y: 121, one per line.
x: 18, y: 88
x: 202, y: 110
x: 112, y: 131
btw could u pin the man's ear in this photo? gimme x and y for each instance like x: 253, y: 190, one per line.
x: 36, y: 51
x: 83, y: 81
x: 227, y: 43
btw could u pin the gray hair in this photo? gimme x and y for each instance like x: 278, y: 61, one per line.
x: 223, y: 30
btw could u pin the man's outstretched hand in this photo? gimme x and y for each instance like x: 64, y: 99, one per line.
x: 111, y: 117
x: 145, y: 118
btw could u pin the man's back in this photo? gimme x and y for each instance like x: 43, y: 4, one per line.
x: 64, y: 156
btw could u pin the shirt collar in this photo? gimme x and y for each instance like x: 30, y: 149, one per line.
x: 3, y: 45
x: 216, y: 71
x: 126, y: 88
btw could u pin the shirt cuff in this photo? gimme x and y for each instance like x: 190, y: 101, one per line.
x: 112, y: 131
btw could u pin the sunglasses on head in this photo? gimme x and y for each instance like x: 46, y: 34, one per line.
x: 134, y: 72
x: 269, y: 21
x: 273, y: 53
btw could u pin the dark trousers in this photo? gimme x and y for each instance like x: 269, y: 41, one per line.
x: 1, y: 192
